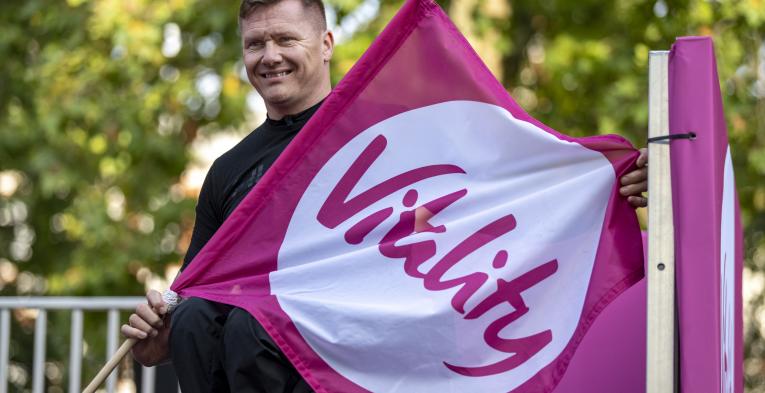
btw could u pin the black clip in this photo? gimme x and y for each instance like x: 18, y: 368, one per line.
x: 690, y: 135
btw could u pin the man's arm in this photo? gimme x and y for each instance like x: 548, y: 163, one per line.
x: 150, y: 323
x: 635, y: 183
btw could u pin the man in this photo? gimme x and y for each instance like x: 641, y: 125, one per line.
x: 286, y: 49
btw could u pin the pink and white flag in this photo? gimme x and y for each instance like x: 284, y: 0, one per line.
x: 423, y: 233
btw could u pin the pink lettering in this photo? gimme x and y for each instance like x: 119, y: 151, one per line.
x: 415, y: 221
x: 521, y: 348
x: 359, y: 231
x: 338, y: 208
x: 472, y: 282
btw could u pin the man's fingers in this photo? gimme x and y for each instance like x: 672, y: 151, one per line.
x: 634, y: 189
x: 643, y: 158
x: 635, y: 183
x: 148, y: 316
x: 638, y: 201
x: 155, y: 301
x: 136, y: 322
x: 131, y: 332
x: 635, y: 176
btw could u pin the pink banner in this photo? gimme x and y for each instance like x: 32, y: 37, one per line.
x: 708, y: 238
x: 709, y: 254
x: 423, y: 233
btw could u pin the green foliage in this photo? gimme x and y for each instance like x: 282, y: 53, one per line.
x: 100, y: 101
x: 95, y: 128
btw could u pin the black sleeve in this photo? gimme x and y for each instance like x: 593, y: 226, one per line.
x: 207, y: 217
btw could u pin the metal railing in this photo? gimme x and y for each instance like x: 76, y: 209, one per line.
x: 112, y: 306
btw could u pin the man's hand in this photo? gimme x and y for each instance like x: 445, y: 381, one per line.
x: 151, y: 329
x: 635, y: 183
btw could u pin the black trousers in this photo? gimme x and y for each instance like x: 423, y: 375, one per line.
x: 219, y: 348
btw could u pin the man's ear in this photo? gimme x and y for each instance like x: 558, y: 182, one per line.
x: 328, y: 46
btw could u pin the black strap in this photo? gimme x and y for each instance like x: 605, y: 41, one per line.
x: 689, y: 135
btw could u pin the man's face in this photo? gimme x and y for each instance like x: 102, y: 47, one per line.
x: 286, y: 54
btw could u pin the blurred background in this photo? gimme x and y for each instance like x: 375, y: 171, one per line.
x: 111, y: 112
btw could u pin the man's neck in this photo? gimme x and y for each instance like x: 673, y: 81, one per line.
x: 276, y: 113
x: 294, y: 119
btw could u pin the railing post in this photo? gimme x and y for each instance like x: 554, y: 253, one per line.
x: 38, y: 361
x: 113, y: 320
x: 5, y: 347
x: 75, y: 353
x: 148, y: 375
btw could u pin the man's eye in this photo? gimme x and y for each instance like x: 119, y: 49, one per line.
x: 254, y: 44
x: 286, y: 40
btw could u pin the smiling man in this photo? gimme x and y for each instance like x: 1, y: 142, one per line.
x: 286, y: 49
x: 214, y: 347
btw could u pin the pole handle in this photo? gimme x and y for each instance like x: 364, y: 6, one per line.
x: 110, y: 365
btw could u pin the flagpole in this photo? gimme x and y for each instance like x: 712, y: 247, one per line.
x: 110, y: 365
x: 171, y: 300
x: 661, y: 347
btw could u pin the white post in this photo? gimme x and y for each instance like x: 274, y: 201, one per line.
x: 112, y: 330
x: 75, y: 352
x: 147, y: 379
x: 5, y: 341
x: 38, y: 361
x: 660, y: 273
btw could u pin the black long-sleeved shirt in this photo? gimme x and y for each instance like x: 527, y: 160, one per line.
x: 234, y: 174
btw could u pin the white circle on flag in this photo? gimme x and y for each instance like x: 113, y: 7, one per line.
x: 381, y: 328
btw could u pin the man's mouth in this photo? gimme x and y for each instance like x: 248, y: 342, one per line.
x: 271, y: 75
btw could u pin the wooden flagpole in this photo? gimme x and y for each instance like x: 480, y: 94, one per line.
x: 661, y: 348
x: 171, y: 299
x: 110, y: 365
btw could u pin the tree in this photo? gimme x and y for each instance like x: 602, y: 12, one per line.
x: 100, y: 104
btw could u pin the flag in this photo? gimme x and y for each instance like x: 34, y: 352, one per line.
x: 708, y: 253
x: 422, y: 233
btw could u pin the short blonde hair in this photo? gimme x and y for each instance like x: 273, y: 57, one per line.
x: 247, y: 7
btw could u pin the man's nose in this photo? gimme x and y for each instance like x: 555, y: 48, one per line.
x: 271, y: 54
